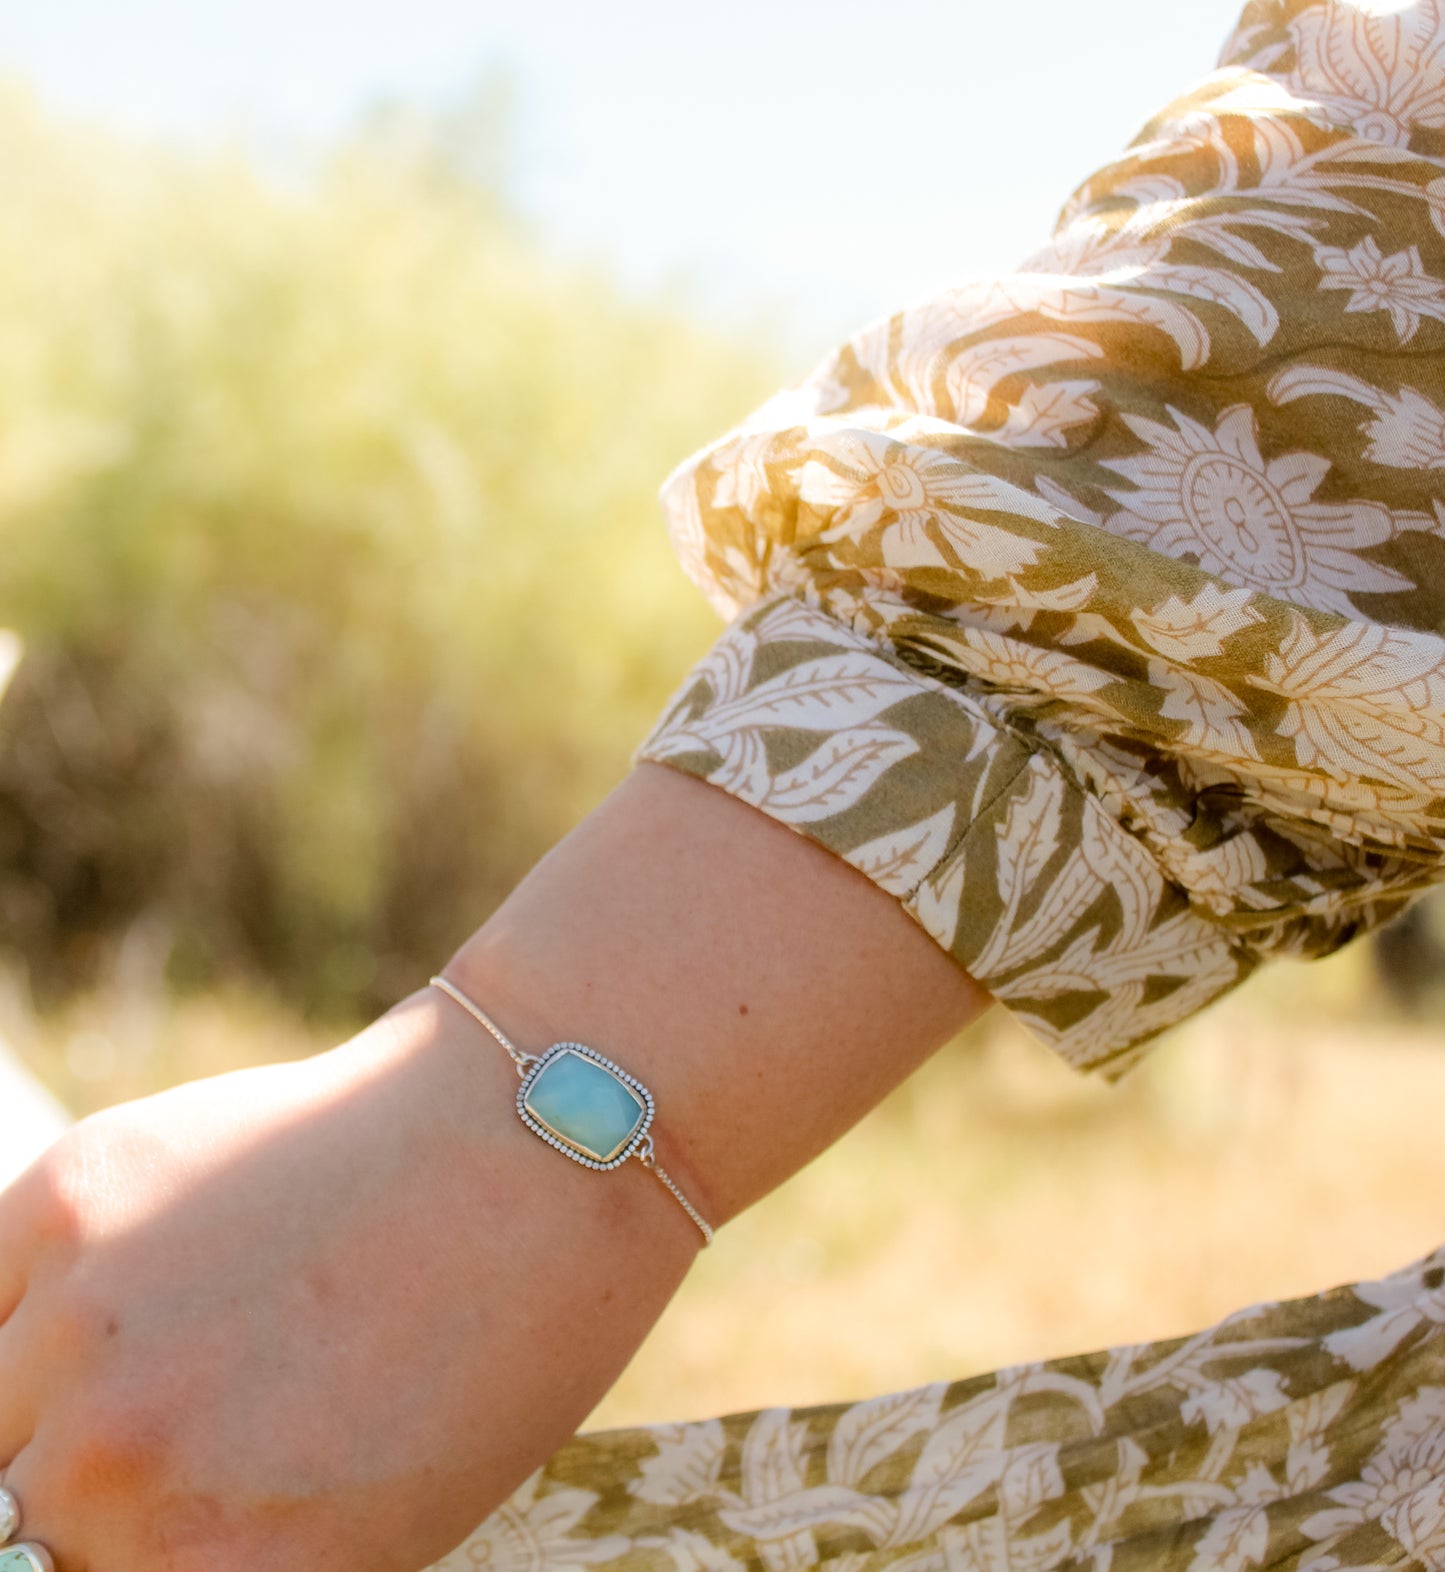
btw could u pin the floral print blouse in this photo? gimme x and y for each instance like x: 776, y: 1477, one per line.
x: 1097, y: 614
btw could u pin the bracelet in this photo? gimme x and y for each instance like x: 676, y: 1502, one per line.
x: 578, y: 1101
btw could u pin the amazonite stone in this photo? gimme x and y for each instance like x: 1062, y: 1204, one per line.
x: 585, y: 1105
x: 20, y: 1558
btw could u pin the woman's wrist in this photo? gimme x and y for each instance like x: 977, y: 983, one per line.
x: 764, y: 991
x: 473, y: 1086
x: 532, y: 1028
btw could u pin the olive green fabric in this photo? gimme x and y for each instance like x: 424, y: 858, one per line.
x: 1308, y: 1436
x: 1096, y: 613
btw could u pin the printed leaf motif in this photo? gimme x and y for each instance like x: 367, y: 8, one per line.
x: 686, y: 532
x: 1400, y: 1484
x: 976, y: 372
x: 1236, y: 1538
x: 1211, y: 713
x: 993, y: 1543
x: 1196, y: 629
x: 1010, y: 945
x: 742, y: 473
x: 672, y: 742
x: 818, y: 695
x: 1416, y: 1518
x: 790, y: 618
x: 1109, y: 1498
x: 961, y: 1459
x: 1120, y: 864
x: 1236, y: 295
x: 1366, y: 705
x: 1232, y: 1401
x: 1379, y: 73
x: 1218, y: 235
x: 1305, y: 381
x: 1045, y: 415
x: 870, y: 1432
x: 1307, y: 1463
x: 1277, y: 149
x: 834, y: 777
x: 1029, y: 836
x: 773, y: 1453
x: 1370, y: 1344
x: 975, y: 492
x: 1073, y: 596
x: 536, y: 1527
x: 1106, y: 303
x: 1082, y: 968
x: 1221, y: 877
x: 744, y: 766
x: 985, y: 549
x: 1030, y: 1477
x: 900, y: 859
x: 938, y: 902
x: 794, y: 1518
x: 685, y: 1466
x: 689, y: 1551
x: 772, y: 1481
x: 1408, y: 431
x: 1028, y: 668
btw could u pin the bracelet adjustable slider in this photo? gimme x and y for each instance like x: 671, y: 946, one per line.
x: 578, y: 1101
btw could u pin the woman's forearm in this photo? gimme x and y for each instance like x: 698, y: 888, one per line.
x: 332, y: 1312
x: 766, y: 992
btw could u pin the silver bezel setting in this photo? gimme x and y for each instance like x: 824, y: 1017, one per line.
x: 553, y: 1138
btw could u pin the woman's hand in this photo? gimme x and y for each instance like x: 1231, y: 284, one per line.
x: 319, y: 1315
x: 326, y: 1315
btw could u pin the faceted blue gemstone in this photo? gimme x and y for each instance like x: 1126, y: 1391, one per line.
x: 585, y: 1105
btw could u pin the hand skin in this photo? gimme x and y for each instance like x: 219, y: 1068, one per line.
x: 327, y: 1315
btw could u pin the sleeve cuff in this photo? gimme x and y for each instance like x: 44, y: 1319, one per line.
x: 989, y: 843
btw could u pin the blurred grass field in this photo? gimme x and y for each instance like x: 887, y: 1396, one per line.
x: 327, y: 522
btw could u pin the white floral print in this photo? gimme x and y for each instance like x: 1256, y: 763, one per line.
x: 1211, y: 496
x: 1397, y: 284
x: 1096, y: 613
x: 1379, y: 74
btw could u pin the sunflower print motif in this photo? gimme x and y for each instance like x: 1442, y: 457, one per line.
x: 1097, y: 614
x: 1210, y: 496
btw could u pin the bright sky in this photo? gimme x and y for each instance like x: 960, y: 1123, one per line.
x: 824, y: 159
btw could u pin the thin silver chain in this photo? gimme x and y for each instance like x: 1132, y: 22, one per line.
x: 524, y: 1061
x: 648, y: 1158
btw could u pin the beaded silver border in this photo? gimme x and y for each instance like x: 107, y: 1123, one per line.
x: 552, y: 1138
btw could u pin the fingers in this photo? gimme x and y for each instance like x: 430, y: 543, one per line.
x: 14, y: 1250
x: 36, y: 1214
x: 33, y: 1547
x: 19, y: 1359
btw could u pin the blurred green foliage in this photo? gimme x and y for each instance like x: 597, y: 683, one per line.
x: 328, y: 520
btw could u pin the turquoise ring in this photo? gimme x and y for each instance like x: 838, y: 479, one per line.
x: 26, y: 1558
